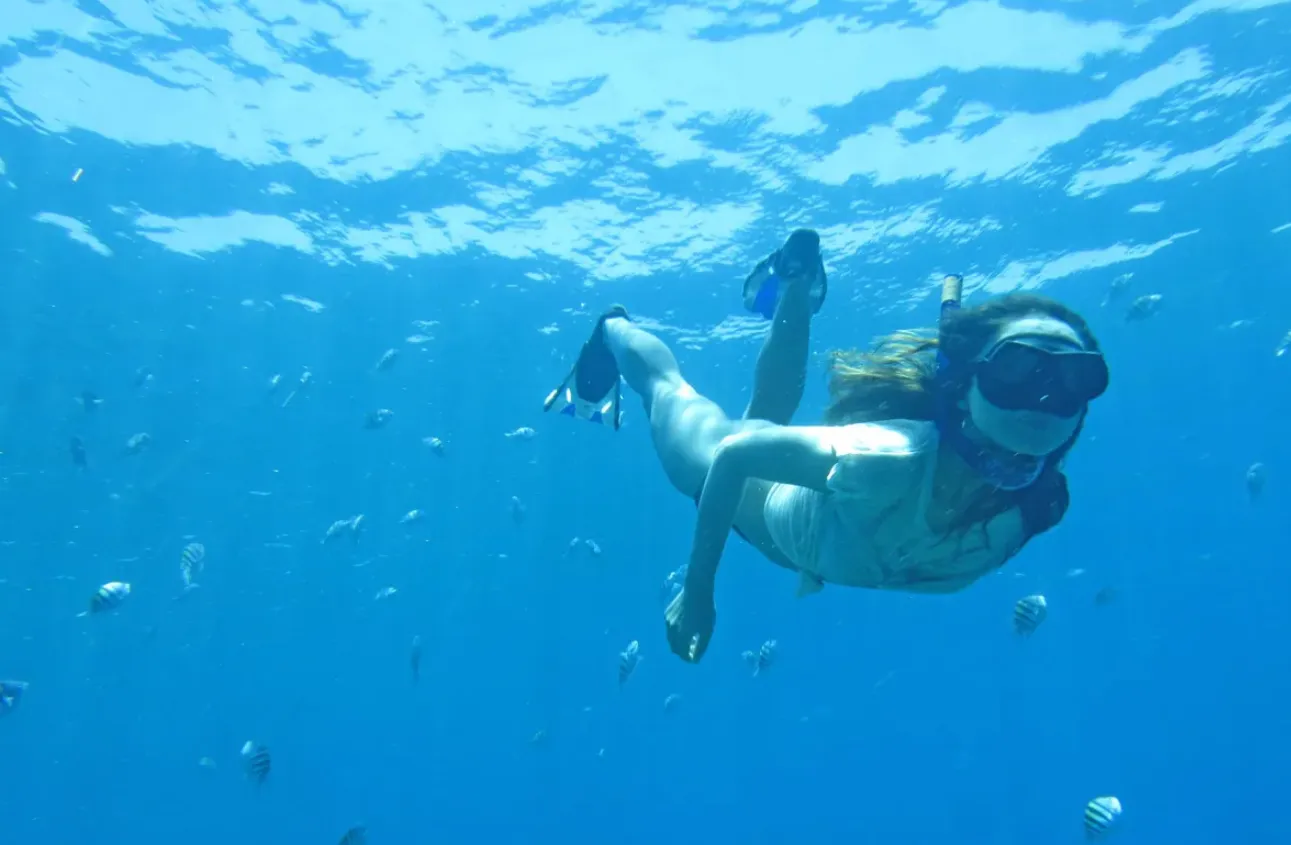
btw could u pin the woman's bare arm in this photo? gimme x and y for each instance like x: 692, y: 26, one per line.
x: 799, y: 455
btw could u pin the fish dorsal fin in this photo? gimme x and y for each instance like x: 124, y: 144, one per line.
x: 808, y: 584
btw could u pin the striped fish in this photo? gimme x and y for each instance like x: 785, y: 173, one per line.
x: 191, y: 560
x: 762, y: 658
x: 256, y: 761
x: 628, y: 660
x: 108, y: 597
x: 355, y: 836
x: 1101, y: 815
x: 1028, y: 613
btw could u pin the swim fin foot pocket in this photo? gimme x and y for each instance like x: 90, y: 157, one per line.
x: 799, y: 255
x: 593, y: 390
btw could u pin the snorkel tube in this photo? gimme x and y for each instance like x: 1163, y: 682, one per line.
x: 952, y: 292
x: 1016, y: 473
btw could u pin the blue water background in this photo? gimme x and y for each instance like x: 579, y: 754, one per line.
x: 888, y: 718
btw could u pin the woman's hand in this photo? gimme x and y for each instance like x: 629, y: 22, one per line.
x: 690, y: 617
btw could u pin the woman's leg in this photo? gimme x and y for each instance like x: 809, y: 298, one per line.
x: 685, y: 426
x: 781, y: 372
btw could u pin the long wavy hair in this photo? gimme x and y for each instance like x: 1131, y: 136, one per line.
x: 897, y: 379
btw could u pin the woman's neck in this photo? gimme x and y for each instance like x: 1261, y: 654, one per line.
x: 988, y: 446
x: 991, y: 463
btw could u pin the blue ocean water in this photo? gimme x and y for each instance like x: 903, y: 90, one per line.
x: 197, y: 196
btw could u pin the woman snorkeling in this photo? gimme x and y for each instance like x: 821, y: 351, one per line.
x: 937, y: 460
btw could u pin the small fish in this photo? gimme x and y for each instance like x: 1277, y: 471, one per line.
x: 539, y: 737
x: 387, y: 359
x: 1143, y: 308
x: 414, y: 659
x: 1101, y: 815
x: 414, y: 515
x: 1105, y: 596
x: 518, y: 510
x: 670, y: 703
x: 89, y: 401
x: 77, y: 447
x: 335, y: 529
x: 1256, y: 477
x: 629, y: 659
x: 521, y: 433
x: 191, y: 560
x: 306, y: 379
x: 1283, y: 346
x: 1028, y: 613
x: 378, y: 418
x: 385, y: 593
x: 1116, y: 289
x: 355, y: 836
x: 275, y: 381
x: 352, y: 526
x: 11, y: 693
x: 593, y: 547
x: 762, y: 658
x: 436, y: 445
x: 256, y: 762
x: 138, y: 442
x: 108, y: 597
x: 206, y: 763
x: 142, y: 376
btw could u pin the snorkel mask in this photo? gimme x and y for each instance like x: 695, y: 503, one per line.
x: 1040, y: 373
x: 1021, y: 372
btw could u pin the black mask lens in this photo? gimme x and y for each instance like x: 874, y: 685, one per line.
x: 1023, y: 377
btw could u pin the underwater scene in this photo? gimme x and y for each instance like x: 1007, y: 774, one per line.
x: 624, y: 422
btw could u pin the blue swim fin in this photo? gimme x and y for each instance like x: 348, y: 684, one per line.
x: 593, y: 390
x: 800, y: 254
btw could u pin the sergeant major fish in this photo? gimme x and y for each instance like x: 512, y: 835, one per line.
x: 191, y: 560
x: 1101, y: 815
x: 256, y: 762
x: 378, y: 418
x: 1143, y: 308
x: 352, y: 526
x: 108, y: 597
x: 762, y: 658
x: 1029, y: 613
x: 77, y: 447
x: 629, y: 659
x: 137, y: 443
